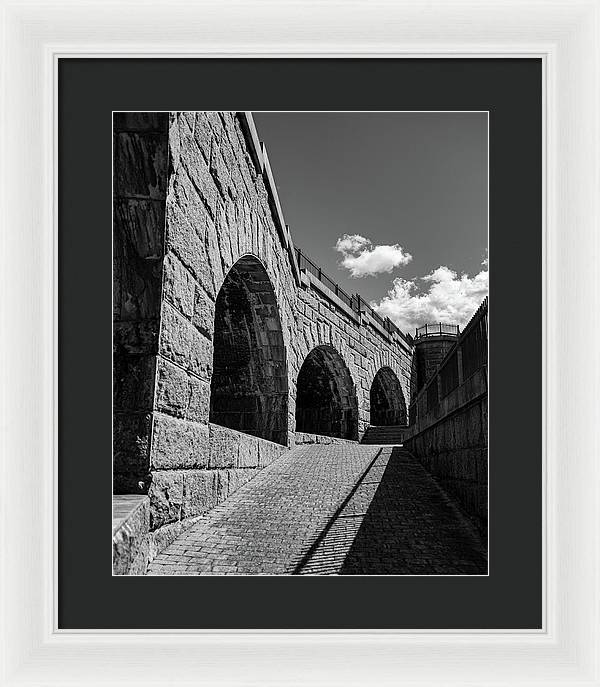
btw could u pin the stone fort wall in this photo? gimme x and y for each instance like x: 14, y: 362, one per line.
x: 448, y: 431
x: 223, y: 346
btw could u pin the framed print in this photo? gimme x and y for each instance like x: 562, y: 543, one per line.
x: 289, y: 427
x: 281, y: 408
x: 295, y: 294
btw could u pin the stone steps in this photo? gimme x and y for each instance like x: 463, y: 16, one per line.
x: 390, y: 435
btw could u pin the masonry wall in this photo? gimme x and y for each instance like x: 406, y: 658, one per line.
x: 449, y: 431
x: 453, y: 448
x: 140, y: 184
x: 220, y: 212
x: 428, y: 354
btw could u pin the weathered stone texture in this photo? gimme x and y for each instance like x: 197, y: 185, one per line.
x: 202, y: 490
x: 131, y: 523
x: 176, y: 493
x: 455, y: 452
x: 166, y: 497
x: 140, y: 185
x: 450, y: 439
x: 179, y: 444
x: 194, y: 214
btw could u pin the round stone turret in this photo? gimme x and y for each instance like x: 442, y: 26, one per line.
x: 431, y: 343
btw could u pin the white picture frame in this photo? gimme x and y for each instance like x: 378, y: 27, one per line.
x: 565, y: 35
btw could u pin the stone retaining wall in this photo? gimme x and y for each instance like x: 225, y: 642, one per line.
x: 131, y: 540
x: 448, y: 431
x: 452, y: 444
x: 455, y: 452
x: 229, y: 460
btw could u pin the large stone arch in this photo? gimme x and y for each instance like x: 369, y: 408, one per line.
x: 400, y: 368
x: 386, y: 399
x: 326, y: 400
x: 249, y: 384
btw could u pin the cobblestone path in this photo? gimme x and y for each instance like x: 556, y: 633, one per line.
x: 331, y: 509
x: 397, y: 521
x: 269, y: 524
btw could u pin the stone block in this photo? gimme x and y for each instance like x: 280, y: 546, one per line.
x: 237, y: 186
x: 224, y: 446
x: 199, y: 400
x: 200, y: 492
x: 139, y: 566
x: 140, y: 165
x: 172, y: 388
x: 166, y: 497
x: 178, y: 443
x: 215, y: 122
x: 268, y: 452
x: 174, y: 141
x: 214, y: 266
x: 248, y: 452
x: 186, y: 240
x: 203, y: 317
x: 226, y: 239
x: 219, y: 171
x: 222, y: 485
x: 178, y: 285
x: 183, y: 344
x: 201, y: 177
x: 175, y: 336
x: 141, y: 222
x: 203, y: 135
x: 200, y: 354
x: 189, y: 119
x: 130, y: 538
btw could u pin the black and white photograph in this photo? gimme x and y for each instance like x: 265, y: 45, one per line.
x: 300, y: 343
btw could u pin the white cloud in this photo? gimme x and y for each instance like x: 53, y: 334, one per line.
x: 450, y: 299
x: 362, y: 258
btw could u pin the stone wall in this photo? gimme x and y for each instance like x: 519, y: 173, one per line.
x: 449, y: 431
x: 131, y: 539
x: 232, y: 319
x: 179, y: 493
x: 363, y: 347
x: 454, y: 448
x: 428, y: 354
x: 140, y: 184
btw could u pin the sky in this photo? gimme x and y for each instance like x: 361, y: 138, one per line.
x: 392, y: 206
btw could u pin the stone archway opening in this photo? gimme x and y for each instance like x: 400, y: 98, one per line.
x: 388, y: 406
x: 249, y: 388
x: 326, y: 400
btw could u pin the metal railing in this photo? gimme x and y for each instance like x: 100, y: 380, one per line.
x: 474, y: 341
x: 356, y: 302
x: 437, y: 330
x: 465, y: 357
x: 383, y: 322
x: 305, y: 263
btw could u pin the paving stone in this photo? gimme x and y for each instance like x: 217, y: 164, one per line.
x: 331, y: 509
x: 398, y: 521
